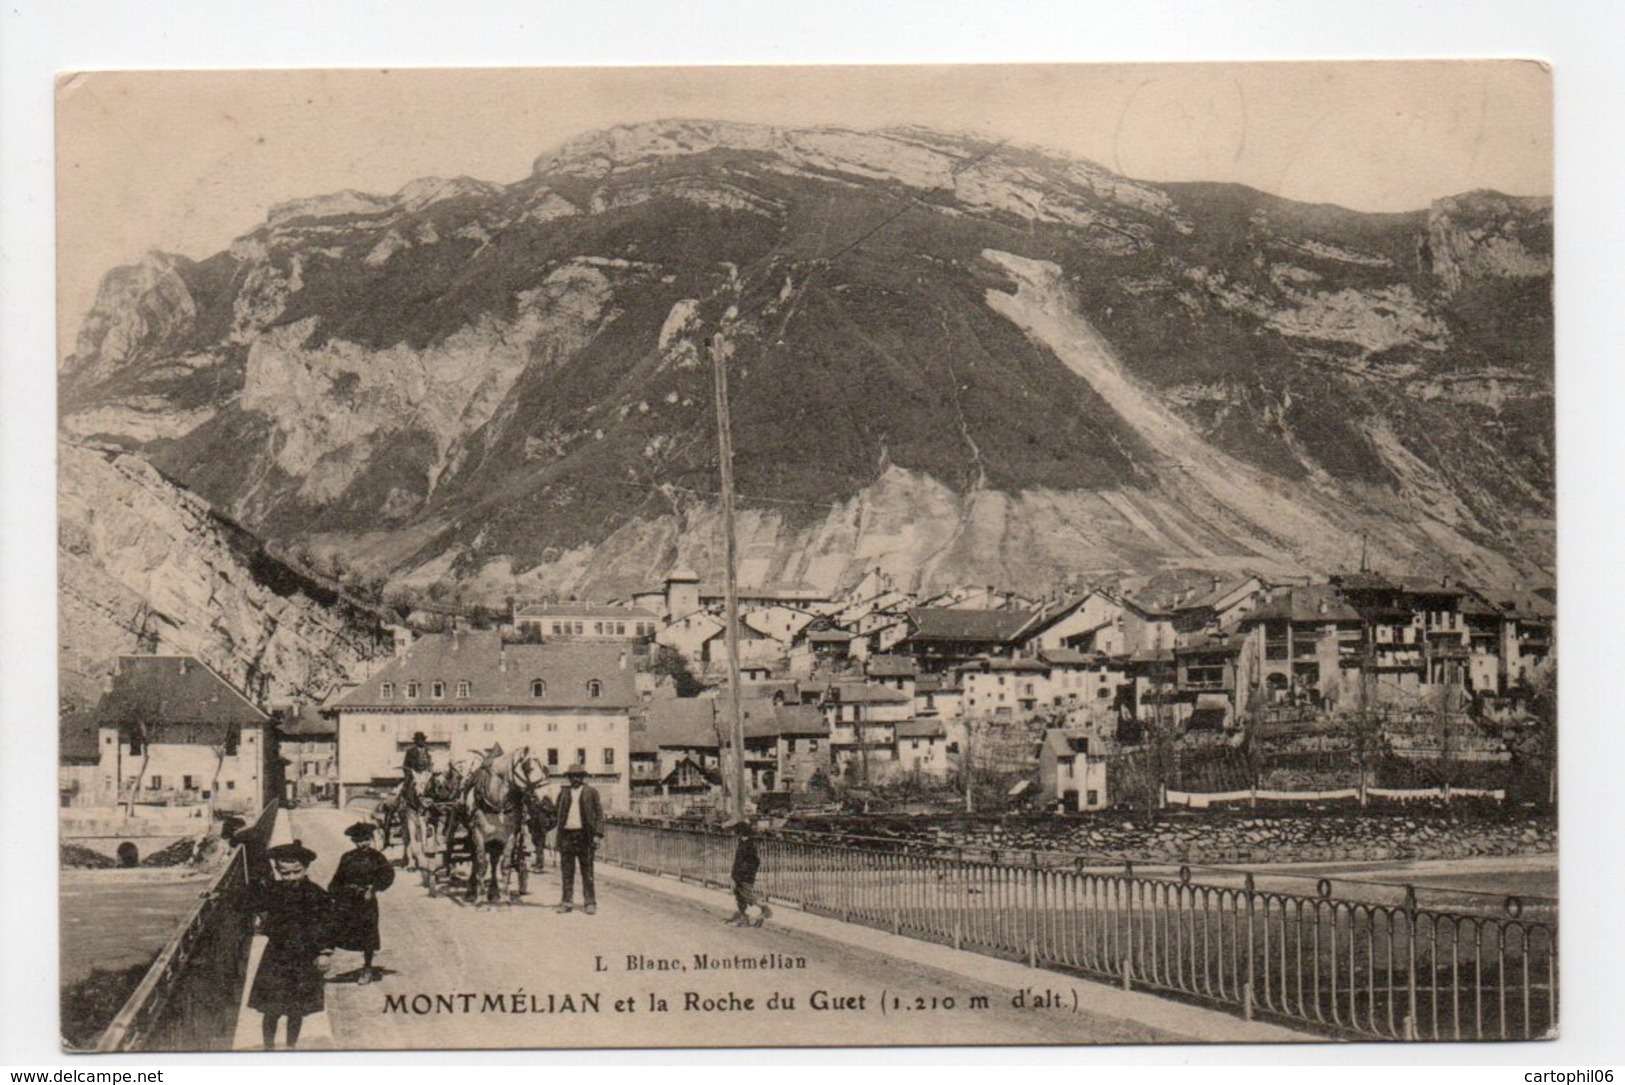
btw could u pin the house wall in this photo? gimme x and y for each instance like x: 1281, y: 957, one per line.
x: 801, y: 757
x: 781, y: 623
x: 372, y: 744
x: 242, y: 777
x: 927, y: 755
x: 1001, y: 693
x: 1095, y: 610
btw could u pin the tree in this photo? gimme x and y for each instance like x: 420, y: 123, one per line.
x: 670, y: 663
x: 140, y: 734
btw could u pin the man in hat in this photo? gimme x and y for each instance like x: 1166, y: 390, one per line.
x: 295, y: 915
x: 418, y: 758
x: 581, y: 825
x: 363, y: 873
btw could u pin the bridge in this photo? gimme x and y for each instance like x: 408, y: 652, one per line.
x: 522, y: 975
x: 885, y: 941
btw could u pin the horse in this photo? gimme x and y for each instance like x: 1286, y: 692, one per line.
x: 383, y: 816
x: 492, y: 808
x: 441, y: 795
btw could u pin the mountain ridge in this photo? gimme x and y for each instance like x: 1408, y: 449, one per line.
x: 506, y: 388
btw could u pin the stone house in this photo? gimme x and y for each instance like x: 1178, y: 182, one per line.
x: 566, y: 702
x: 173, y: 732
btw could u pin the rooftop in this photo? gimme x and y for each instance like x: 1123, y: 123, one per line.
x: 174, y: 691
x: 891, y: 666
x: 499, y: 676
x: 584, y: 610
x: 950, y: 624
x: 1304, y: 603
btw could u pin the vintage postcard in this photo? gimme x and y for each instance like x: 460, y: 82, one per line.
x: 642, y: 558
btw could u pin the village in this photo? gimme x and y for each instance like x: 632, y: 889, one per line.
x: 1180, y: 689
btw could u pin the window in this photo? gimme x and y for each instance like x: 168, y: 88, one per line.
x: 552, y: 727
x: 609, y: 757
x: 579, y: 627
x: 553, y: 757
x: 581, y: 755
x: 595, y: 688
x: 155, y: 783
x: 557, y: 629
x: 412, y: 689
x: 386, y: 691
x: 464, y: 689
x: 186, y: 782
x: 1093, y: 798
x: 231, y: 785
x: 620, y: 629
x: 490, y: 727
x: 598, y: 628
x: 812, y: 744
x: 538, y: 688
x: 437, y: 690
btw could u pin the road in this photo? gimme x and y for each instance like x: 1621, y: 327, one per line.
x: 523, y: 976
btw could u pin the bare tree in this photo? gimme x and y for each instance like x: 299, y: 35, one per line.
x: 142, y: 734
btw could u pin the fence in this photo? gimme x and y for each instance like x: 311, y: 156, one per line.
x: 1359, y: 968
x: 189, y: 997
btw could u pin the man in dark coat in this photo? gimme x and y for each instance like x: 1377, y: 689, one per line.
x: 296, y: 917
x: 581, y: 826
x: 418, y: 758
x: 363, y: 873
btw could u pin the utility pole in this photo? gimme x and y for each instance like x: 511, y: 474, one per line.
x: 725, y: 453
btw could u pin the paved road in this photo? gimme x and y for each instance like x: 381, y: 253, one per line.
x: 522, y: 975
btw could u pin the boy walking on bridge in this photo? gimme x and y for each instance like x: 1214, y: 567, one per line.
x: 747, y: 861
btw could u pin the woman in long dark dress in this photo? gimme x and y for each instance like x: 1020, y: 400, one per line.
x: 296, y: 918
x: 363, y: 873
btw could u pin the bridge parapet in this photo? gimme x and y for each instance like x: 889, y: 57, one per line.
x: 188, y: 999
x: 1380, y: 967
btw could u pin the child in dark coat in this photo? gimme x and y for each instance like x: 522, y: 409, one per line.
x: 296, y: 918
x: 747, y: 861
x: 363, y: 873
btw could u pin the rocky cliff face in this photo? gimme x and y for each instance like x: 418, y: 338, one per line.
x: 145, y: 566
x: 952, y: 359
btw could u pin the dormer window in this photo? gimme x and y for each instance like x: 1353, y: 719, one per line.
x: 463, y: 690
x: 595, y: 689
x: 413, y: 689
x: 538, y: 688
x: 386, y: 691
x: 437, y: 690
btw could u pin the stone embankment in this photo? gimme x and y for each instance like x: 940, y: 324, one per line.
x: 1247, y: 837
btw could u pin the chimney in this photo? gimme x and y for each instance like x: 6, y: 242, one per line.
x: 1444, y: 582
x: 107, y: 679
x: 1323, y: 607
x: 502, y: 659
x: 183, y: 664
x: 1216, y: 583
x: 623, y: 661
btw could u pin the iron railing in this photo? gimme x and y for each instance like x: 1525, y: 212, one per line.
x: 1354, y: 967
x: 189, y: 998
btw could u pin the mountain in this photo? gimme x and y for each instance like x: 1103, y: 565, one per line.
x: 952, y: 359
x: 145, y: 566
